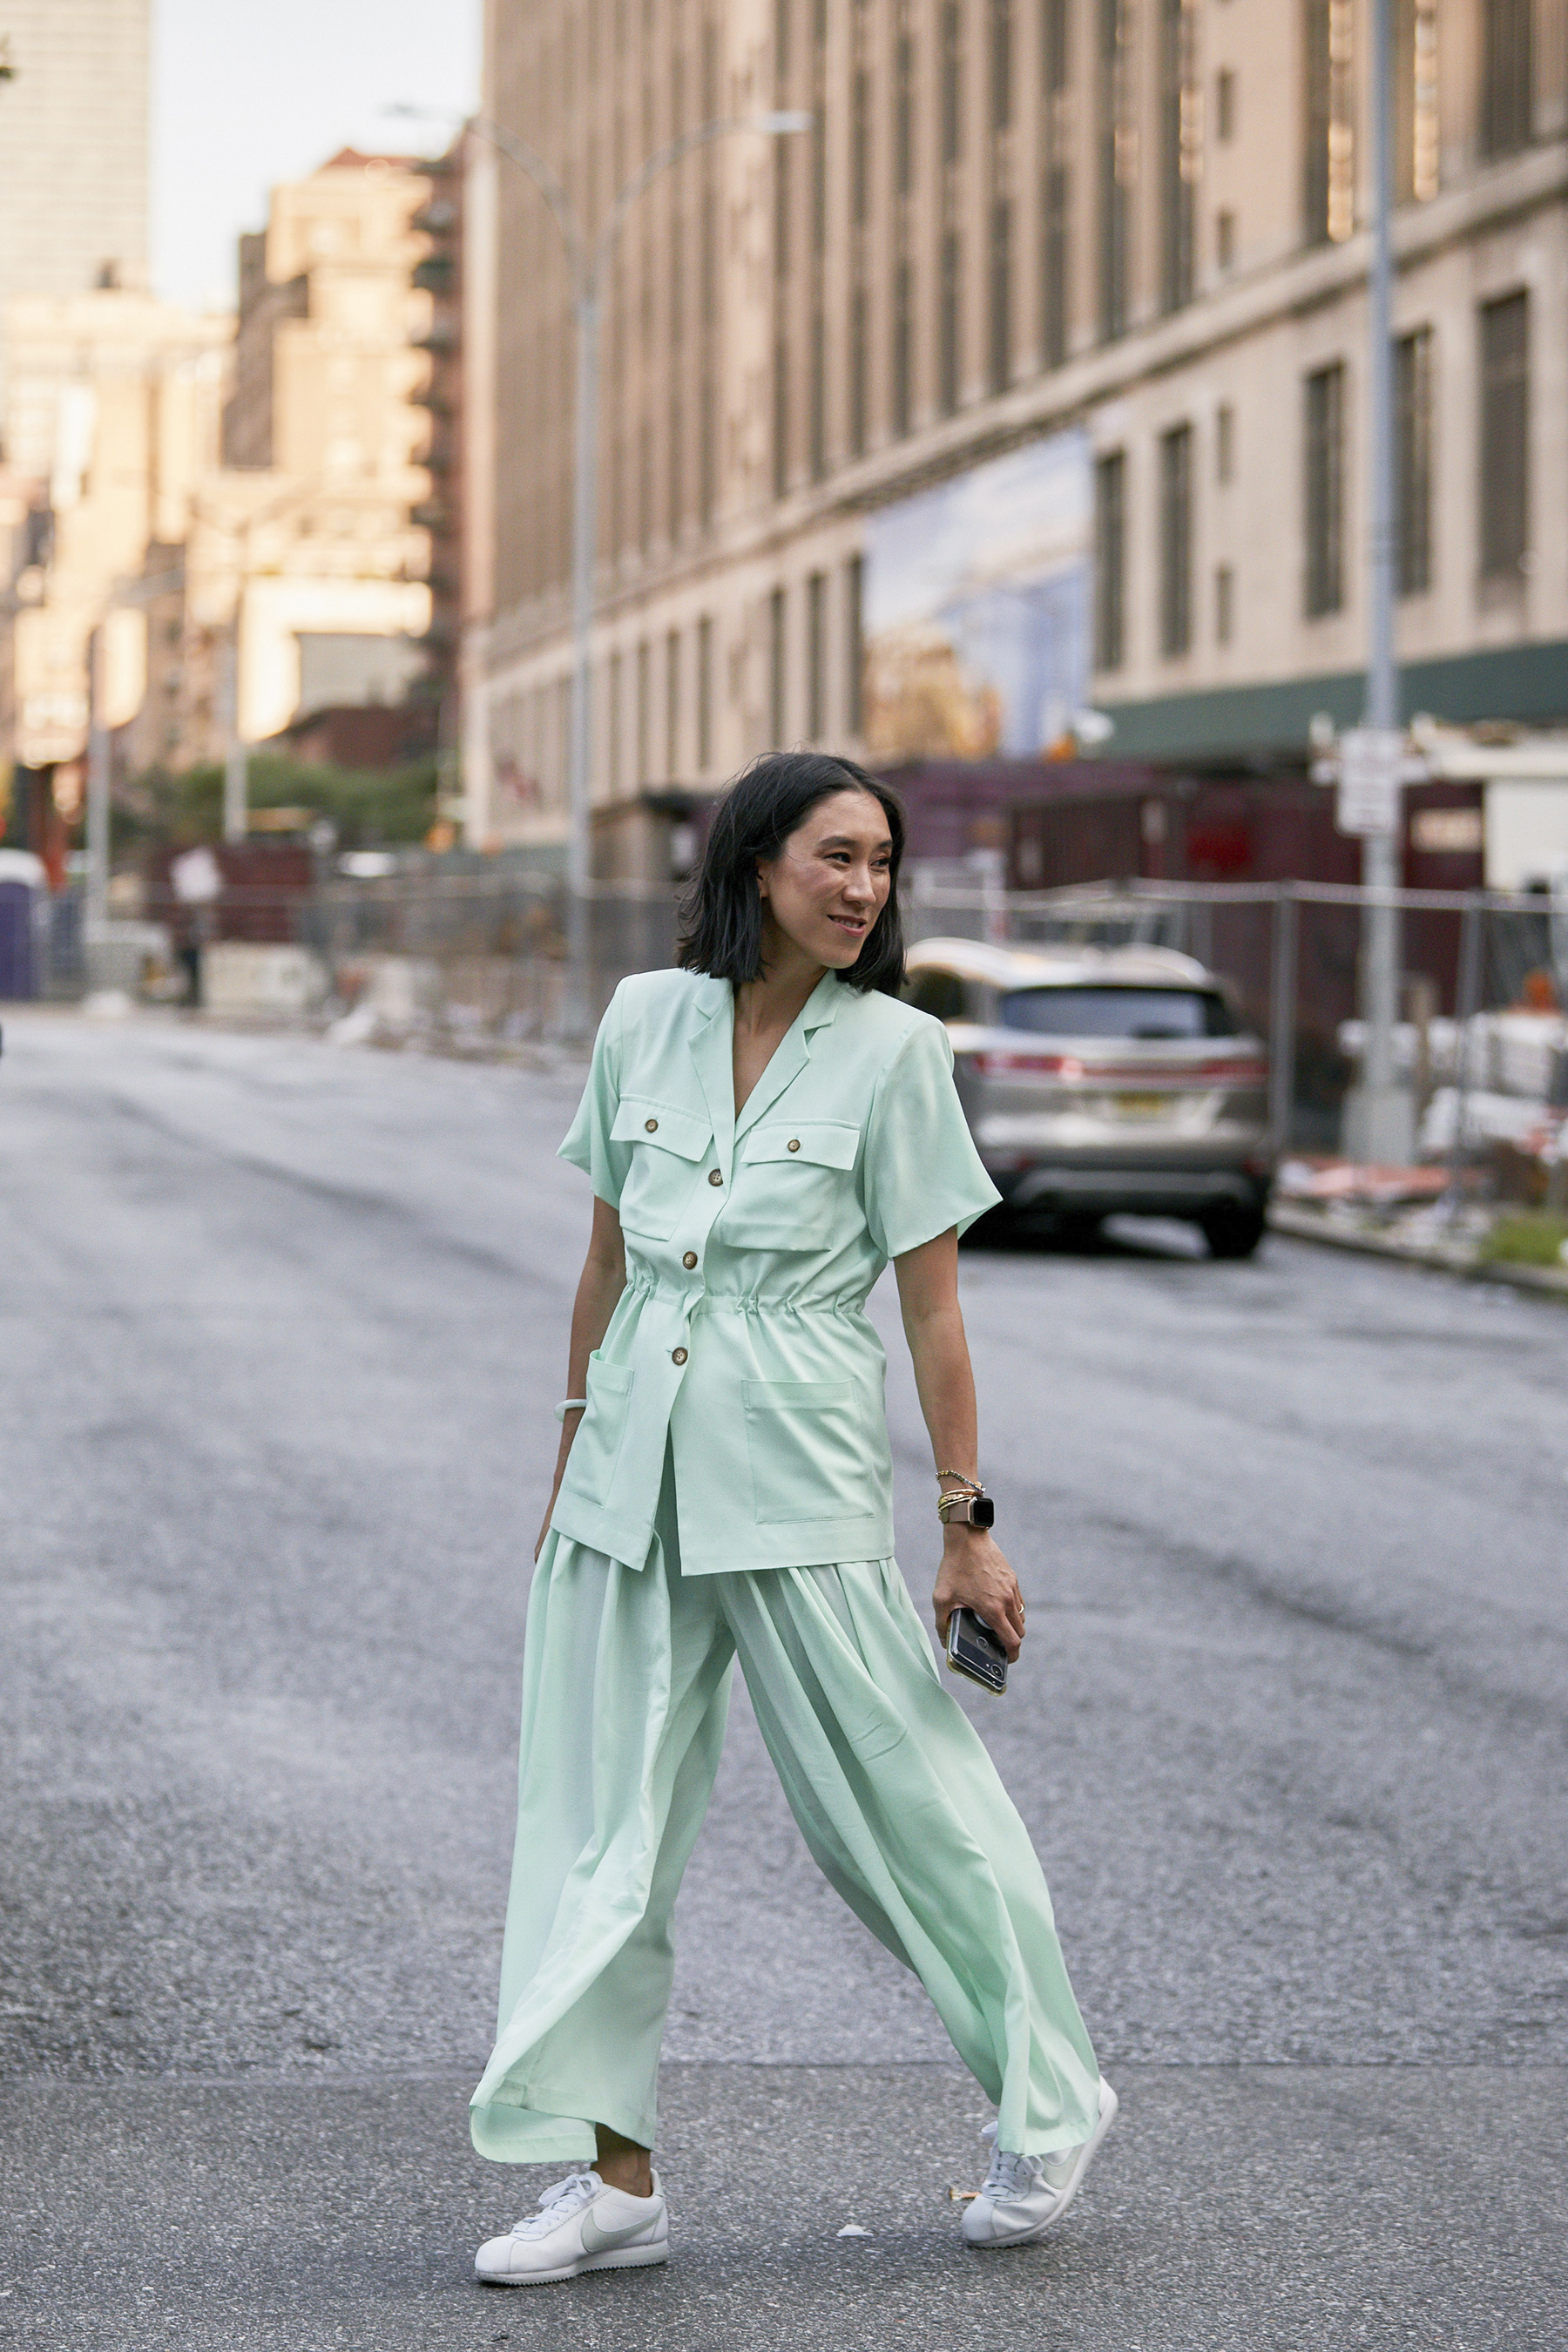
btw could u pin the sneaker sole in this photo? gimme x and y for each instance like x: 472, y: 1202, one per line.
x: 1110, y: 2108
x: 619, y: 2258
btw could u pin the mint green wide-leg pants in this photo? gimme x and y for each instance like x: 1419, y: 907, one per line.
x: 626, y: 1689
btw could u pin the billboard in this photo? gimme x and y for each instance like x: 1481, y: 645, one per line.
x: 977, y: 608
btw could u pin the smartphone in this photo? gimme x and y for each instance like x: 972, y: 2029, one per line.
x: 973, y: 1650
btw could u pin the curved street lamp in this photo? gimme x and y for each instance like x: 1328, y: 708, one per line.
x: 589, y: 259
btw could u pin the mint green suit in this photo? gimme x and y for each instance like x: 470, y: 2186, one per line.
x: 729, y: 1492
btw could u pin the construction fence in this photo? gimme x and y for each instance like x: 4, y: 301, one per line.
x: 476, y: 956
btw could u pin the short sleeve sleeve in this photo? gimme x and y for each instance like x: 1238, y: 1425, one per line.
x: 923, y: 1172
x: 587, y: 1145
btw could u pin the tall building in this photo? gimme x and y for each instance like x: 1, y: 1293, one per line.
x: 73, y: 148
x: 1130, y: 236
x: 325, y: 440
x: 112, y: 416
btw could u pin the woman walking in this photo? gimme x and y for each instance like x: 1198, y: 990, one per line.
x: 764, y: 1129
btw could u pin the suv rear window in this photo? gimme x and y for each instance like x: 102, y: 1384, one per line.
x: 1118, y: 1013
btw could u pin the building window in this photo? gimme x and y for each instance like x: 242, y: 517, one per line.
x: 613, y: 731
x: 783, y: 242
x: 860, y: 150
x: 672, y: 706
x: 1507, y: 76
x: 1505, y: 436
x: 643, y: 715
x: 1116, y: 134
x: 1181, y: 149
x: 904, y: 114
x: 707, y: 450
x: 1054, y: 193
x: 1000, y: 354
x: 1330, y: 189
x: 859, y: 361
x: 704, y: 694
x: 777, y: 651
x: 781, y: 417
x: 1224, y: 603
x: 816, y: 656
x: 1224, y: 240
x: 1177, y: 540
x: 903, y: 341
x: 1413, y: 460
x: 1416, y: 126
x: 952, y: 81
x: 817, y: 419
x: 1225, y: 442
x: 948, y: 324
x: 854, y: 649
x: 1109, y: 560
x: 1324, y: 490
x: 1225, y: 106
x: 1001, y: 64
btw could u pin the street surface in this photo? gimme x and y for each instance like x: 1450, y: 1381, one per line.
x: 282, y: 1325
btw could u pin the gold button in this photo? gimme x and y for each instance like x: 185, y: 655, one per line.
x: 715, y: 1177
x: 794, y: 1143
x: 651, y: 1125
x: 677, y: 1356
x: 689, y: 1260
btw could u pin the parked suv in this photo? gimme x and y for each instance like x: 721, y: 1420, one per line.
x: 1098, y: 1079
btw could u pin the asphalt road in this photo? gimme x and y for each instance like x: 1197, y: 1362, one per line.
x: 280, y: 1327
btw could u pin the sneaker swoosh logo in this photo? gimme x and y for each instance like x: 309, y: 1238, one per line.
x: 596, y: 2241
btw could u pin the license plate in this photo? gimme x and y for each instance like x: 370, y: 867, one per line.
x: 1140, y: 1105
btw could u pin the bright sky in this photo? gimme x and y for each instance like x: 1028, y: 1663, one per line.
x: 248, y: 92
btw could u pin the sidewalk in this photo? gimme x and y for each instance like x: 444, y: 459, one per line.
x: 1308, y: 1224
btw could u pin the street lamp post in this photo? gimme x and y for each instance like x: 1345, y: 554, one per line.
x: 589, y: 259
x: 1379, y: 1117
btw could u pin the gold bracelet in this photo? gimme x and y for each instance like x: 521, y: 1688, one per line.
x: 962, y: 1478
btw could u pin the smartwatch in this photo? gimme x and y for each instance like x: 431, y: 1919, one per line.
x: 976, y: 1510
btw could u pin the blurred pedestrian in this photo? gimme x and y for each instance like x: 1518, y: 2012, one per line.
x: 764, y: 1129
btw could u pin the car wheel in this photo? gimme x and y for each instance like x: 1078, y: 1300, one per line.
x: 1233, y: 1232
x: 1078, y: 1228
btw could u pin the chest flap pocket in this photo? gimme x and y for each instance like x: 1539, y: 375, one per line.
x: 668, y: 1146
x: 792, y: 1188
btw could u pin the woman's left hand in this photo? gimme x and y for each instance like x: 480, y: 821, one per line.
x: 975, y: 1574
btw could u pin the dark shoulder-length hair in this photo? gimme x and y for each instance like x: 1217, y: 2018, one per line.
x: 722, y: 910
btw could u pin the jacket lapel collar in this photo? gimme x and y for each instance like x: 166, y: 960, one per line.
x: 790, y: 1055
x: 713, y: 1052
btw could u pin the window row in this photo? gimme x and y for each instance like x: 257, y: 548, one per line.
x: 655, y: 701
x: 1503, y: 459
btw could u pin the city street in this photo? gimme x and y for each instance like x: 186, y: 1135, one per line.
x: 282, y: 1327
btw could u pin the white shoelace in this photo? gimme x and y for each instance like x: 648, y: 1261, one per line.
x: 557, y: 2205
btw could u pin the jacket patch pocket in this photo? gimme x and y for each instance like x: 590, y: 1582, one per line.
x: 792, y: 1185
x: 666, y: 1145
x: 807, y: 1451
x: 596, y: 1448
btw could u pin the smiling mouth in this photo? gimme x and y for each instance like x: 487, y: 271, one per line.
x: 850, y: 922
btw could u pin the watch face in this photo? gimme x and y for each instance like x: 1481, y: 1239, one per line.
x: 983, y: 1512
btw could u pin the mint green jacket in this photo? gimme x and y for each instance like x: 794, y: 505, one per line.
x: 741, y: 1340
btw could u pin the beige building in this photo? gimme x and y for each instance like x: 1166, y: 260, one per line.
x: 73, y: 148
x: 112, y: 414
x: 231, y: 518
x: 324, y: 440
x: 1012, y: 216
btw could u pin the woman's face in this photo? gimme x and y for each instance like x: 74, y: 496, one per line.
x: 830, y: 881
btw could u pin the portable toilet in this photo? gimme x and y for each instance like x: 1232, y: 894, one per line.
x: 22, y: 877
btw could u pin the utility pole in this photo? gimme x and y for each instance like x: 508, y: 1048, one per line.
x: 589, y: 259
x: 235, y: 759
x: 97, y: 798
x: 1379, y: 1113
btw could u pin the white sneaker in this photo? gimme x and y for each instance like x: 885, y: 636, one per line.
x: 581, y: 2225
x: 1025, y: 2196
